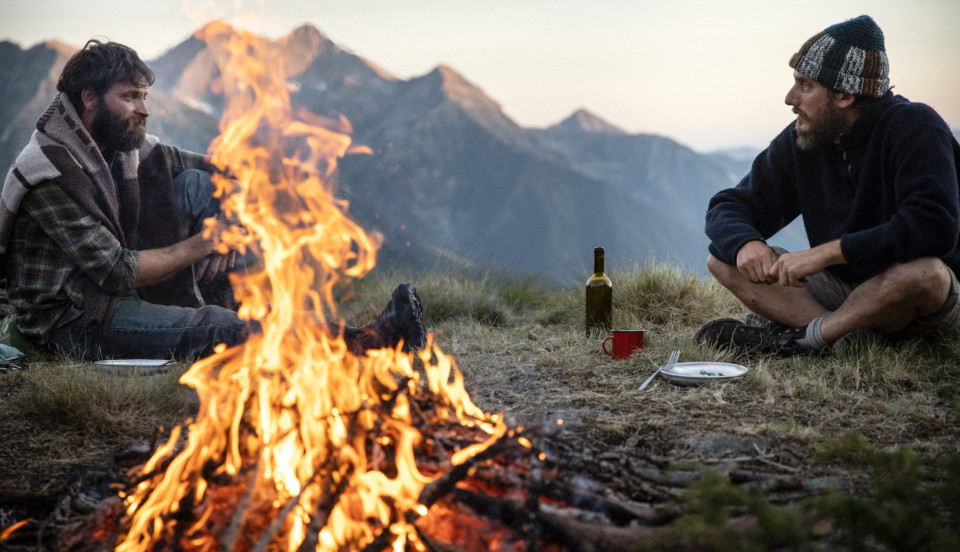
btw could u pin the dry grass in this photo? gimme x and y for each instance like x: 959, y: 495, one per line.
x: 59, y: 416
x: 522, y: 350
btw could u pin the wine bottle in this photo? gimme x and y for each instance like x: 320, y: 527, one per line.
x: 599, y: 297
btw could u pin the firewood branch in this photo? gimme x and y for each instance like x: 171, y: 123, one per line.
x: 439, y: 487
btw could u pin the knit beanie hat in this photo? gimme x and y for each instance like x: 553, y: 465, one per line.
x: 849, y: 57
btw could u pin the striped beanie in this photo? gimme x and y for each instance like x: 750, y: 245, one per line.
x: 849, y: 57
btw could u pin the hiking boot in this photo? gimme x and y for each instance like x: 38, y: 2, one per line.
x: 401, y: 319
x: 773, y: 338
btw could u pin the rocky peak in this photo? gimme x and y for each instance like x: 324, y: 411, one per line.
x: 308, y: 42
x: 459, y: 90
x: 61, y: 48
x: 583, y: 121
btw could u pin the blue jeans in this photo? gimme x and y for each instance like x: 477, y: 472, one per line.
x: 146, y: 330
x: 140, y: 329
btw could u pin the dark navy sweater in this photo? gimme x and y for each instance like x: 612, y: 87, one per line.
x: 889, y: 191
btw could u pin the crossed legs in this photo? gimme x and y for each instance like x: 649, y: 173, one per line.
x: 888, y: 303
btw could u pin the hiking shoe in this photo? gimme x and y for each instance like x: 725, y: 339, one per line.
x: 773, y: 338
x: 402, y: 319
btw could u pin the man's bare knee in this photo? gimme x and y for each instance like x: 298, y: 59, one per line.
x: 925, y: 282
x: 714, y: 265
x: 723, y: 272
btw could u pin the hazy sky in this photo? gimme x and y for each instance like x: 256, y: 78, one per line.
x: 707, y: 73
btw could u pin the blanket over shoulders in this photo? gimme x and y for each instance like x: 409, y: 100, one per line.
x: 135, y: 201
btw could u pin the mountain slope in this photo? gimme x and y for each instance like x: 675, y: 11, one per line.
x: 464, y: 188
x: 449, y: 172
x: 674, y: 180
x: 511, y: 198
x: 28, y: 83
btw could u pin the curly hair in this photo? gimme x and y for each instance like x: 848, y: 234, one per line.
x: 99, y: 65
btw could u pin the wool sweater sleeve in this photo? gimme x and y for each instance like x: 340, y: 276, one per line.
x: 762, y: 203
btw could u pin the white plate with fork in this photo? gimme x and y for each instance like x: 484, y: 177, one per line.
x: 701, y: 373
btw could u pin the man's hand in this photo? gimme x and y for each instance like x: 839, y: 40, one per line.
x: 755, y: 260
x: 222, y: 233
x: 216, y: 244
x: 792, y: 269
x: 207, y: 268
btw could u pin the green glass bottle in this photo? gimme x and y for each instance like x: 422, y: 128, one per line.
x: 599, y: 297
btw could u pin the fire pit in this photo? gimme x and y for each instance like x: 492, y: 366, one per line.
x: 298, y: 444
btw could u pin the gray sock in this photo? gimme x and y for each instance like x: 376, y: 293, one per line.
x: 813, y: 340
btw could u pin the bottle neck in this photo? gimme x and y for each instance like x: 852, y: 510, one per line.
x: 598, y: 263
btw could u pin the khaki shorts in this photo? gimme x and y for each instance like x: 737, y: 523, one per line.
x: 831, y: 291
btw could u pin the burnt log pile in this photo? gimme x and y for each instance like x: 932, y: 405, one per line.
x: 533, y: 493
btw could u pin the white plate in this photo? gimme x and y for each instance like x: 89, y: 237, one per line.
x: 699, y: 373
x: 143, y: 366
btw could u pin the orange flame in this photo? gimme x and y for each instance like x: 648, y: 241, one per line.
x: 291, y: 412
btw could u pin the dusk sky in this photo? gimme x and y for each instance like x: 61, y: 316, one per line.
x: 708, y: 74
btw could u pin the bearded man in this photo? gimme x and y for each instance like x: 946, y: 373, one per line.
x: 875, y: 179
x: 101, y: 231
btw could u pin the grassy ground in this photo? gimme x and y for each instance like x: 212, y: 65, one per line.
x: 879, y: 426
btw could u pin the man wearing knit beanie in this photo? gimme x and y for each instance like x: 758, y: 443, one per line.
x: 849, y: 57
x: 874, y: 177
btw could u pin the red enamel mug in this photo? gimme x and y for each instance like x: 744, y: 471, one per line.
x: 625, y: 343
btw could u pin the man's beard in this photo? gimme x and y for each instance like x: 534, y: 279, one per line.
x: 116, y: 133
x: 822, y: 131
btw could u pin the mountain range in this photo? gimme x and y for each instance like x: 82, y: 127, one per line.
x: 451, y: 180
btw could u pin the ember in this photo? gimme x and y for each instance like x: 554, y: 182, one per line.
x: 297, y: 445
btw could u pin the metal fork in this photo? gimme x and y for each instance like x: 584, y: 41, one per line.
x: 674, y: 356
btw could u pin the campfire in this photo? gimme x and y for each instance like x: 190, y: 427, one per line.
x: 298, y: 444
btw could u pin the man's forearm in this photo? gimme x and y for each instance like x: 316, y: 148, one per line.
x: 830, y: 253
x: 792, y: 269
x: 159, y: 264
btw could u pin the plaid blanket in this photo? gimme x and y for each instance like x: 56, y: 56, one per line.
x: 134, y: 201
